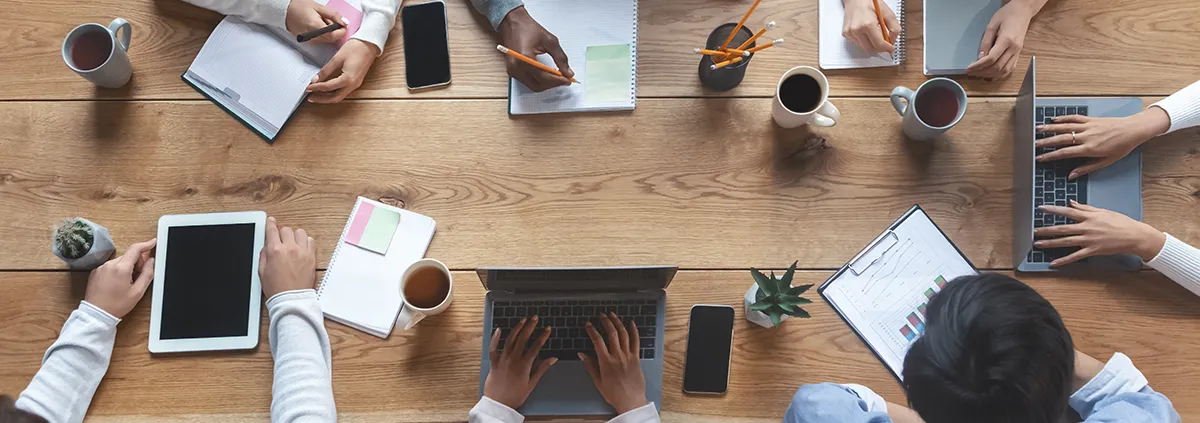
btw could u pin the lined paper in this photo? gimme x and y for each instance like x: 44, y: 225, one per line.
x: 838, y: 52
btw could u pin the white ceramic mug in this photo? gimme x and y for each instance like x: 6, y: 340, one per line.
x: 410, y: 315
x: 107, y: 62
x: 915, y: 128
x: 825, y: 114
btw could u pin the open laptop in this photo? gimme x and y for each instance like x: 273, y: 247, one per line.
x: 564, y: 299
x: 1117, y: 187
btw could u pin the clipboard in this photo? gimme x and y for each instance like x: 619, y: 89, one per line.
x: 868, y: 257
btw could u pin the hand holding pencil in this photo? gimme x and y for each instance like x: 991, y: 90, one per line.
x: 871, y: 25
x: 525, y: 38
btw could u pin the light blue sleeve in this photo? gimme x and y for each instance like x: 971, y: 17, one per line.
x: 1145, y: 406
x: 495, y: 10
x: 830, y: 403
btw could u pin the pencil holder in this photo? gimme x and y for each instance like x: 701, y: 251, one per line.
x: 725, y: 78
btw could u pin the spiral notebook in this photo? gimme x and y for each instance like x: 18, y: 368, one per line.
x: 837, y: 52
x: 600, y: 40
x: 361, y: 287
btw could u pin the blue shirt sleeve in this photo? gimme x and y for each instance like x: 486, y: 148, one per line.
x: 1120, y: 393
x: 495, y: 10
x: 830, y: 403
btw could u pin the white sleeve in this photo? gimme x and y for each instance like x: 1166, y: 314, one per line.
x: 303, y: 385
x: 644, y: 414
x: 265, y: 12
x: 73, y: 366
x: 379, y: 16
x: 490, y: 411
x: 875, y: 403
x: 1180, y: 262
x: 1183, y: 107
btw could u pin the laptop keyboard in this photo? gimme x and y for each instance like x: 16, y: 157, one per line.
x: 568, y: 317
x: 1051, y: 186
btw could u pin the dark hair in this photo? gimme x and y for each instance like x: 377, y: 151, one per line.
x: 9, y: 413
x: 993, y: 351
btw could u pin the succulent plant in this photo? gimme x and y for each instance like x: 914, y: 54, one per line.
x: 73, y: 238
x: 777, y: 297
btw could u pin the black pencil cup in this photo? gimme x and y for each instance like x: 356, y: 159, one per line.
x: 724, y: 79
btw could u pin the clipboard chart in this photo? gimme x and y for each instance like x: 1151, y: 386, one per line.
x: 884, y: 292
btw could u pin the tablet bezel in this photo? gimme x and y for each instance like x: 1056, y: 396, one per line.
x: 250, y: 340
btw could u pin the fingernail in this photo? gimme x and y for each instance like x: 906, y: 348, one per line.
x: 1039, y: 244
x: 315, y: 78
x: 345, y: 21
x: 982, y: 53
x: 580, y: 355
x: 522, y: 320
x: 1041, y: 127
x: 553, y: 360
x: 535, y: 318
x: 588, y: 324
x: 272, y: 218
x: 1072, y: 176
x: 497, y: 332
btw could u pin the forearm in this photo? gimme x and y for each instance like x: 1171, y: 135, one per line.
x: 303, y: 385
x: 1180, y: 262
x: 72, y: 368
x: 1034, y: 6
x: 264, y: 12
x: 379, y: 16
x: 901, y: 414
x: 495, y: 10
x: 1182, y: 108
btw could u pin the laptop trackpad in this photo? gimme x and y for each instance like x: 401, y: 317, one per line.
x: 566, y: 390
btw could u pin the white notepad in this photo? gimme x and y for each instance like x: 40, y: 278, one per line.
x: 361, y: 288
x: 837, y: 52
x: 884, y: 291
x: 579, y: 24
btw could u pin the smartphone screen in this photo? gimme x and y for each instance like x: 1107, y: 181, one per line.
x: 426, y: 48
x: 710, y: 342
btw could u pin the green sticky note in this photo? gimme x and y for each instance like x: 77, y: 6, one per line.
x: 377, y: 236
x: 609, y: 74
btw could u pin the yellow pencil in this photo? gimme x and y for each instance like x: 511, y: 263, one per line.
x: 757, y: 49
x: 738, y: 28
x: 725, y: 63
x: 721, y: 53
x: 532, y: 62
x: 755, y: 37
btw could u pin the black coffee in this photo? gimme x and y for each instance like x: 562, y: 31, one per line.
x: 800, y: 93
x: 90, y: 50
x: 937, y: 106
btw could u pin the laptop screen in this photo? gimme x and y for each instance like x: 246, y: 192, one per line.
x: 1023, y: 164
x: 577, y: 279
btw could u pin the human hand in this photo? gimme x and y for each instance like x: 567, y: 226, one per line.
x: 520, y: 33
x: 289, y: 260
x: 308, y: 15
x: 344, y: 73
x: 513, y: 377
x: 616, y: 370
x: 1105, y: 140
x: 861, y: 26
x: 1003, y: 40
x: 118, y: 285
x: 1098, y: 232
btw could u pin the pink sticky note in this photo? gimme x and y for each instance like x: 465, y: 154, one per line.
x: 359, y: 224
x: 351, y: 13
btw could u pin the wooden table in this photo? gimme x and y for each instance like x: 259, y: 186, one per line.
x: 709, y: 184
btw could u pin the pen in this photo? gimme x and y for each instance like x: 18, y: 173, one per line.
x: 532, y: 62
x: 319, y: 32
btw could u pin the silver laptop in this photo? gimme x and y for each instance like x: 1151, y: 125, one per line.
x: 1117, y: 187
x: 565, y: 299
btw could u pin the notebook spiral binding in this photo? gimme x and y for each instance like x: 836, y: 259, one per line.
x: 901, y: 52
x: 634, y: 56
x: 338, y: 248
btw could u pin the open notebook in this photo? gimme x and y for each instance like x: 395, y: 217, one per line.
x: 593, y: 35
x: 361, y: 287
x: 258, y: 73
x: 837, y: 52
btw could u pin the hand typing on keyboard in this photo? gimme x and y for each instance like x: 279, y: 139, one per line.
x: 1098, y: 232
x: 1103, y: 140
x: 513, y: 377
x: 615, y: 369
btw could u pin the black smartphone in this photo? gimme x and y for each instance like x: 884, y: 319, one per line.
x: 709, y: 347
x: 426, y: 46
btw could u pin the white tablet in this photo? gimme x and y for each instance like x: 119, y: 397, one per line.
x: 206, y: 288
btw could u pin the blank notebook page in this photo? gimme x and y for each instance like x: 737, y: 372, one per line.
x: 838, y: 52
x: 579, y: 24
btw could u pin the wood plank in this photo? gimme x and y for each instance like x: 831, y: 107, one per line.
x: 696, y: 183
x: 1105, y: 47
x: 431, y: 373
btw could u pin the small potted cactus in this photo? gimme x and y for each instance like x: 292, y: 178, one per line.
x: 772, y: 300
x: 81, y: 243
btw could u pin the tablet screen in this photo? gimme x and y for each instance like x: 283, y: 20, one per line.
x: 206, y: 285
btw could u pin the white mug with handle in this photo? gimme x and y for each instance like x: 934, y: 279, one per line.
x: 411, y: 314
x: 822, y: 113
x: 97, y: 54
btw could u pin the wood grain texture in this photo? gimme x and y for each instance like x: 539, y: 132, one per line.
x: 1104, y: 47
x: 430, y: 374
x: 696, y: 183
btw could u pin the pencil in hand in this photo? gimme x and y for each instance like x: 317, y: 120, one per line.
x: 882, y: 24
x: 530, y: 61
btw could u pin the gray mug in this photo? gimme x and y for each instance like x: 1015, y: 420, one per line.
x: 915, y: 126
x: 95, y: 53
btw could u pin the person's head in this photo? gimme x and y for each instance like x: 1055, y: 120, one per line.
x: 993, y: 351
x: 9, y: 413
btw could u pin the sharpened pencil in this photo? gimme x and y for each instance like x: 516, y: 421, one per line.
x: 738, y: 28
x: 882, y: 24
x: 725, y: 63
x: 757, y: 49
x: 530, y: 61
x: 755, y: 37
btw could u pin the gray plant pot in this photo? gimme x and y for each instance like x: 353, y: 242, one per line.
x: 102, y: 249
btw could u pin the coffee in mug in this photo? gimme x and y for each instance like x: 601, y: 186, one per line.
x: 800, y: 93
x: 426, y: 289
x: 935, y: 107
x: 802, y: 97
x: 97, y: 54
